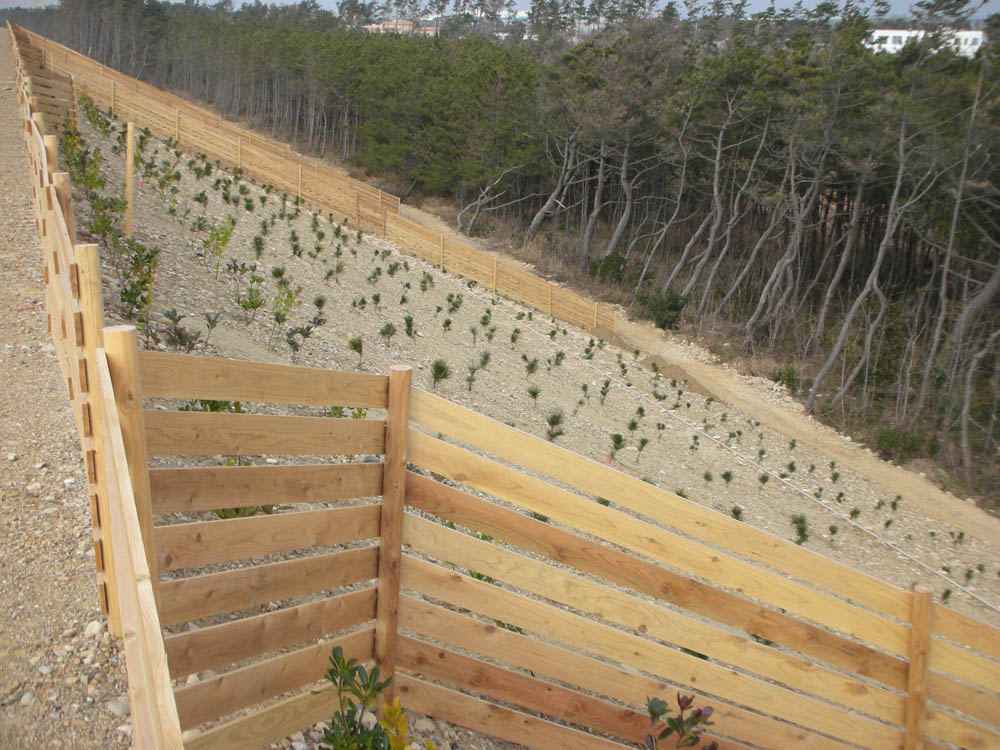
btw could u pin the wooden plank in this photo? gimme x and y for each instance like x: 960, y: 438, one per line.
x: 192, y: 489
x: 267, y: 725
x: 480, y: 716
x: 966, y: 630
x: 558, y: 463
x: 187, y: 545
x: 653, y: 580
x: 129, y: 175
x: 121, y: 345
x: 597, y: 677
x: 219, y: 593
x: 443, y: 665
x: 964, y: 664
x: 965, y: 698
x: 167, y: 375
x: 197, y: 650
x: 636, y: 615
x: 633, y: 651
x: 219, y: 696
x: 662, y: 545
x: 955, y: 731
x: 191, y: 433
x: 916, y: 683
x: 149, y: 679
x: 391, y: 531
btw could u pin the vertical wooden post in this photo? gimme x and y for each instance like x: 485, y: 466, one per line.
x: 494, y: 274
x: 916, y: 681
x: 549, y: 290
x: 441, y: 251
x: 596, y: 309
x: 397, y: 424
x: 357, y: 207
x: 61, y: 182
x: 51, y: 154
x: 300, y: 179
x: 121, y: 344
x: 239, y: 154
x: 88, y: 261
x: 129, y: 176
x: 177, y: 126
x: 112, y: 107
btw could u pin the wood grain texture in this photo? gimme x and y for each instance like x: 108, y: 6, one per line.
x: 268, y: 724
x: 219, y: 696
x: 708, y: 525
x: 192, y: 433
x: 154, y: 711
x: 648, y: 578
x: 598, y: 677
x: 635, y: 615
x: 671, y: 549
x: 218, y: 593
x: 230, y: 642
x: 480, y: 716
x: 632, y: 651
x: 120, y: 345
x: 169, y: 375
x: 391, y: 522
x: 188, y: 545
x: 192, y: 489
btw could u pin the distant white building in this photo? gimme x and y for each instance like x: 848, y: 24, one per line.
x: 965, y: 43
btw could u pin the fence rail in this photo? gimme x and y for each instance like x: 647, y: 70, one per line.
x: 509, y: 585
x: 270, y: 162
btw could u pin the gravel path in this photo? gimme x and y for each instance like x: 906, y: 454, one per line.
x: 62, y: 683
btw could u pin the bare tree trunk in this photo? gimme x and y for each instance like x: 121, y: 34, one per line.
x: 627, y: 189
x: 553, y: 199
x: 949, y: 251
x: 970, y: 381
x: 595, y: 212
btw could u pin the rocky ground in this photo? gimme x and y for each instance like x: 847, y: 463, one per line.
x: 692, y: 427
x: 62, y: 679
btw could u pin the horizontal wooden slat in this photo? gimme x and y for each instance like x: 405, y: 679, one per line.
x: 443, y: 665
x: 626, y: 570
x: 207, y: 648
x: 219, y: 696
x: 703, y: 523
x: 965, y: 664
x: 192, y: 489
x: 187, y: 545
x: 267, y: 725
x: 640, y: 653
x: 966, y: 630
x: 480, y: 716
x: 218, y: 593
x: 193, y: 433
x: 660, y: 544
x: 600, y: 678
x: 636, y: 615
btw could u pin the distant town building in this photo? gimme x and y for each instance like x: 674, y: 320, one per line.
x: 965, y: 43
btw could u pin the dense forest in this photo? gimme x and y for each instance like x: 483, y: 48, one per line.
x: 764, y: 179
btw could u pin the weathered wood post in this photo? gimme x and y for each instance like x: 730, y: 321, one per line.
x: 391, y: 532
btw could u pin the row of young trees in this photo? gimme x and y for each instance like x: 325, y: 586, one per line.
x: 769, y: 175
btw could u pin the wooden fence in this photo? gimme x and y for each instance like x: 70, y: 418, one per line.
x: 270, y: 162
x: 509, y: 585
